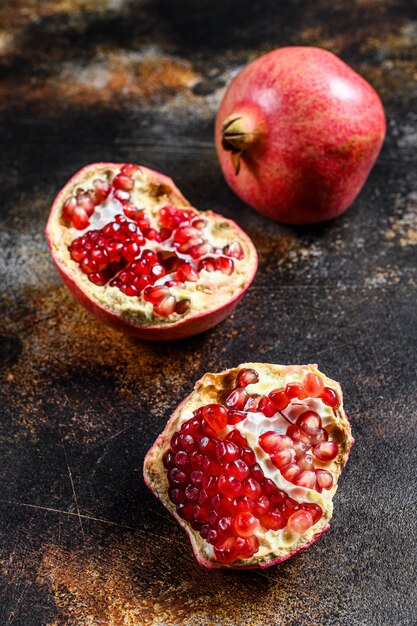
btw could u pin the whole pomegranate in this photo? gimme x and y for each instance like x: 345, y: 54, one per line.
x: 248, y: 463
x: 134, y: 252
x: 297, y: 134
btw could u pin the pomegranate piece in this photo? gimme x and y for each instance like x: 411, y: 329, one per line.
x: 290, y: 170
x: 235, y: 486
x: 128, y: 245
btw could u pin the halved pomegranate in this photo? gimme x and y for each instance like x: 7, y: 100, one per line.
x: 134, y: 252
x: 248, y: 463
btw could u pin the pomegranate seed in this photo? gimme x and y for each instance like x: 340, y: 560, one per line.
x: 245, y: 524
x: 237, y: 438
x: 129, y: 169
x: 186, y: 511
x: 176, y: 442
x: 197, y: 478
x: 330, y: 397
x: 248, y: 456
x: 234, y: 417
x: 261, y: 506
x: 313, y: 385
x: 271, y: 442
x: 207, y: 446
x: 196, y: 460
x: 212, y: 467
x: 326, y: 451
x: 165, y: 307
x: 269, y: 487
x: 210, y: 485
x: 212, y: 536
x: 297, y: 434
x: 200, y: 250
x: 300, y: 521
x: 186, y: 272
x: 251, y: 488
x: 237, y: 468
x: 273, y: 520
x: 320, y: 437
x: 247, y: 377
x: 191, y: 492
x: 156, y: 294
x: 234, y: 250
x: 168, y: 460
x: 256, y: 472
x: 226, y: 551
x: 295, y: 390
x: 300, y: 448
x: 68, y: 208
x: 225, y: 265
x: 250, y: 546
x: 289, y: 507
x: 278, y: 498
x: 324, y: 479
x: 307, y: 479
x: 243, y: 504
x: 237, y: 399
x: 227, y: 451
x: 266, y: 407
x: 252, y: 403
x: 207, y: 264
x: 176, y: 495
x: 306, y: 462
x: 229, y: 486
x: 177, y: 477
x: 290, y: 472
x: 80, y: 218
x: 123, y: 182
x: 216, y: 416
x: 279, y: 399
x: 283, y: 458
x: 182, y: 460
x: 199, y: 223
x: 309, y: 422
x: 182, y: 306
x: 314, y: 510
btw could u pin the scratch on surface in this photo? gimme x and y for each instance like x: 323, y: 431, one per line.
x: 73, y: 489
x: 94, y: 519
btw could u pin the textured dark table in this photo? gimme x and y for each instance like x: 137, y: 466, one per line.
x: 82, y: 540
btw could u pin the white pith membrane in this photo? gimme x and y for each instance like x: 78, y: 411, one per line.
x: 151, y: 193
x: 274, y: 545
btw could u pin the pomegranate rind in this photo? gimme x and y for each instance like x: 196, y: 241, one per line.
x: 158, y: 329
x: 212, y: 388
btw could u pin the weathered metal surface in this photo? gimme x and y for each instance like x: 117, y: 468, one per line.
x: 82, y: 540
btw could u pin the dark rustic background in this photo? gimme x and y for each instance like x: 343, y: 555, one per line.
x: 82, y: 540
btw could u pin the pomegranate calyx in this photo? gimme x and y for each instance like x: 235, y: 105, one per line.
x: 238, y: 132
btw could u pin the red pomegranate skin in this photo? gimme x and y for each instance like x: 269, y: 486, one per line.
x: 318, y: 128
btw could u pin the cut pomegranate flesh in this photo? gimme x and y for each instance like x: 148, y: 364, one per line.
x: 128, y: 231
x: 234, y: 481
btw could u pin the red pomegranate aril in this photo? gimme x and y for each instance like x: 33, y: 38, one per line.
x: 177, y: 477
x: 237, y: 468
x: 130, y: 169
x: 196, y: 460
x: 191, y: 492
x: 207, y: 264
x: 313, y: 385
x: 307, y: 479
x: 204, y: 530
x: 176, y: 495
x: 187, y: 442
x: 182, y: 460
x: 227, y: 451
x: 212, y: 467
x: 300, y: 448
x: 278, y: 498
x: 80, y: 218
x: 212, y: 536
x: 289, y: 507
x: 154, y: 295
x: 249, y: 548
x: 234, y: 417
x: 256, y: 472
x: 225, y: 526
x: 252, y: 403
x: 324, y: 479
x: 326, y: 451
x: 226, y: 551
x: 261, y: 506
x: 251, y: 488
x: 295, y: 390
x: 210, y: 485
x: 290, y: 472
x: 199, y: 223
x: 330, y: 397
x: 245, y: 524
x: 266, y: 407
x: 268, y: 487
x: 273, y: 520
x: 321, y: 436
x: 272, y: 442
x: 230, y: 486
x: 234, y: 250
x: 123, y: 182
x: 297, y: 434
x: 165, y: 307
x: 300, y: 521
x: 279, y: 399
x: 237, y: 438
x: 305, y: 462
x: 248, y: 456
x: 225, y: 265
x: 207, y: 446
x: 200, y: 513
x: 283, y: 458
x: 216, y: 416
x: 247, y: 377
x: 176, y: 442
x: 169, y: 459
x: 243, y: 504
x: 309, y: 422
x: 197, y: 478
x: 186, y: 272
x: 182, y: 306
x: 315, y: 511
x: 237, y: 399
